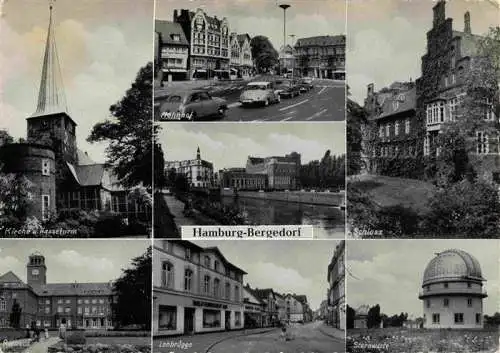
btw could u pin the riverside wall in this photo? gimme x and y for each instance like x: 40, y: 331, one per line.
x: 312, y: 198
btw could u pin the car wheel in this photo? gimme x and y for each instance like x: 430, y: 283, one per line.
x: 221, y: 111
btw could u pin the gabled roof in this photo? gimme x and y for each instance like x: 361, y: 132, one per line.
x: 320, y: 41
x: 87, y: 289
x: 168, y: 29
x: 83, y: 158
x: 263, y: 293
x: 398, y: 103
x: 10, y: 277
x: 241, y: 38
x: 251, y: 292
x: 91, y: 174
x: 216, y: 250
x: 301, y: 298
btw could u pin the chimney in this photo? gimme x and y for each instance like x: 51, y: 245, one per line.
x: 439, y: 13
x: 175, y: 15
x: 467, y: 23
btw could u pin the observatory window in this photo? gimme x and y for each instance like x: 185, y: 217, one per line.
x: 435, y: 318
x: 459, y: 318
x: 46, y: 167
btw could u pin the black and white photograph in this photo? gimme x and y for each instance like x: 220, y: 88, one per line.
x: 75, y: 295
x: 76, y: 118
x: 208, y: 296
x: 250, y: 60
x: 423, y: 119
x: 262, y: 174
x: 422, y: 296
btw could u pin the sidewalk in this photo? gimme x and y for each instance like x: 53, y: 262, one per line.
x: 201, y: 343
x: 42, y: 346
x: 332, y: 331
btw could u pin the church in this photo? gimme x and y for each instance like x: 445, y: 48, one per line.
x: 48, y: 305
x: 65, y: 179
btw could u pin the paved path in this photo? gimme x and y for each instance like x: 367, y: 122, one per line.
x: 42, y: 346
x: 176, y: 207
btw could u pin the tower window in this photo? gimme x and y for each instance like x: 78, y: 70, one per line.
x: 46, y: 167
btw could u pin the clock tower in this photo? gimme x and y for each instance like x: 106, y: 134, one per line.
x: 37, y: 271
x: 51, y: 124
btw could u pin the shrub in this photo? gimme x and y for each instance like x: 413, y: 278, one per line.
x: 76, y: 337
x: 109, y: 225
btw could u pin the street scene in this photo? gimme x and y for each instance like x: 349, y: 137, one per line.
x: 212, y: 64
x: 423, y: 120
x: 257, y: 304
x: 250, y: 175
x: 422, y: 296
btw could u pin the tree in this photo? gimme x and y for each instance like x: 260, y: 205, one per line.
x: 350, y: 313
x: 5, y: 138
x: 263, y: 53
x: 374, y: 318
x: 159, y: 167
x: 130, y: 134
x: 133, y: 293
x: 16, y: 196
x: 15, y: 315
x: 356, y: 119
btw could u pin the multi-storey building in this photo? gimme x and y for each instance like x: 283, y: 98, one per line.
x: 443, y: 92
x: 241, y: 61
x: 172, y: 53
x: 282, y: 172
x: 195, y: 290
x: 321, y: 56
x: 198, y: 172
x: 270, y: 313
x: 281, y: 306
x: 287, y: 60
x: 239, y: 179
x: 48, y: 305
x: 254, y: 308
x: 208, y: 38
x: 297, y: 308
x: 392, y: 125
x: 336, y: 291
x: 361, y: 317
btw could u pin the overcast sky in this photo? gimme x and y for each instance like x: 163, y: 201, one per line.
x: 228, y: 145
x: 102, y: 44
x: 301, y: 266
x: 387, y: 38
x: 305, y: 18
x: 72, y: 260
x: 390, y: 272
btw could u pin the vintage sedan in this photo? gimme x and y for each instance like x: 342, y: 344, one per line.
x: 288, y: 88
x: 259, y: 92
x: 306, y: 84
x: 192, y: 105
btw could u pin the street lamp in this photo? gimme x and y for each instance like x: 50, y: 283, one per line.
x: 293, y: 55
x: 284, y: 7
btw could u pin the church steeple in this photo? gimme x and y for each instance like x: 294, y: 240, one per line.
x: 198, y: 154
x: 51, y: 97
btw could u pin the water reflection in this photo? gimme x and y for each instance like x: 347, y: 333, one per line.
x: 328, y: 222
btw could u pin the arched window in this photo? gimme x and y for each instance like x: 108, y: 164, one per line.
x: 3, y: 304
x: 167, y: 275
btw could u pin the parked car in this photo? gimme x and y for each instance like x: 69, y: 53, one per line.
x: 262, y: 92
x: 192, y: 105
x: 287, y: 88
x: 305, y: 84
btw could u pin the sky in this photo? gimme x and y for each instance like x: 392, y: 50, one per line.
x: 72, y: 260
x: 390, y: 272
x: 227, y: 145
x: 387, y: 38
x: 305, y: 18
x: 102, y: 44
x: 297, y: 271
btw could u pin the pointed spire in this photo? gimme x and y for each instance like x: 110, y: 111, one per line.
x: 198, y: 155
x: 51, y: 97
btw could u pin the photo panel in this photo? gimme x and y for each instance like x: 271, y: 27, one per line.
x: 75, y: 295
x: 422, y: 295
x: 208, y: 296
x: 250, y: 60
x: 76, y: 118
x: 423, y: 119
x: 269, y: 180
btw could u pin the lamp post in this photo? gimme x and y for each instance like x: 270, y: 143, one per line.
x: 293, y: 55
x: 284, y: 7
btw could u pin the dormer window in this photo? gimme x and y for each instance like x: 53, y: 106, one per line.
x: 176, y: 37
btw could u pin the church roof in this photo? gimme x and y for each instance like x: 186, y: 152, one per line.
x: 51, y: 96
x: 80, y: 289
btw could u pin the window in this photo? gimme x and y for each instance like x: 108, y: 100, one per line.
x: 381, y: 131
x: 488, y: 107
x: 446, y: 302
x: 188, y: 254
x: 45, y: 207
x: 407, y: 126
x: 237, y: 318
x: 482, y: 143
x: 3, y: 304
x: 236, y: 293
x: 188, y: 280
x: 227, y: 291
x: 453, y: 105
x: 216, y: 287
x: 167, y: 275
x: 67, y: 310
x: 435, y: 318
x: 453, y: 79
x: 47, y: 301
x: 59, y: 309
x: 478, y: 318
x: 387, y: 130
x: 87, y: 301
x: 427, y: 146
x: 216, y: 266
x: 459, y: 318
x: 445, y: 284
x: 167, y: 317
x: 211, y: 318
x: 469, y: 285
x: 207, y: 261
x: 206, y: 284
x: 79, y: 310
x: 47, y: 310
x: 435, y: 113
x: 94, y: 301
x: 59, y: 301
x: 68, y: 301
x: 469, y: 302
x: 87, y: 310
x: 45, y: 167
x: 166, y: 244
x: 428, y: 303
x: 396, y: 128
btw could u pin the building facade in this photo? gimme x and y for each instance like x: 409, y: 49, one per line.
x: 208, y: 37
x: 336, y: 291
x: 282, y: 172
x: 198, y: 172
x: 241, y: 62
x: 444, y: 96
x: 239, y: 179
x: 48, y: 305
x: 268, y: 298
x: 361, y: 317
x: 195, y: 290
x: 172, y: 53
x: 288, y: 61
x: 297, y: 308
x: 254, y: 308
x: 281, y: 306
x: 452, y: 291
x: 321, y: 57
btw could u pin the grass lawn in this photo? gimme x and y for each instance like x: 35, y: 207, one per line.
x: 140, y: 341
x: 390, y: 191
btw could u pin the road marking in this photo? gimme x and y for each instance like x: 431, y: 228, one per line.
x: 315, y: 115
x: 321, y: 91
x: 294, y: 105
x: 235, y: 104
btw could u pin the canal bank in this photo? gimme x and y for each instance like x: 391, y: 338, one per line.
x: 311, y: 198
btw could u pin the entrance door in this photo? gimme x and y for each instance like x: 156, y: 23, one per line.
x: 227, y: 320
x: 189, y: 320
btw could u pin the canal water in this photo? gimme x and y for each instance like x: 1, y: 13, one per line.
x: 328, y: 221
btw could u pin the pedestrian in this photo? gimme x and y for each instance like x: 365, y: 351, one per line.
x: 283, y: 333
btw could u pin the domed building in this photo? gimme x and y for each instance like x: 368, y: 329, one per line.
x: 452, y: 291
